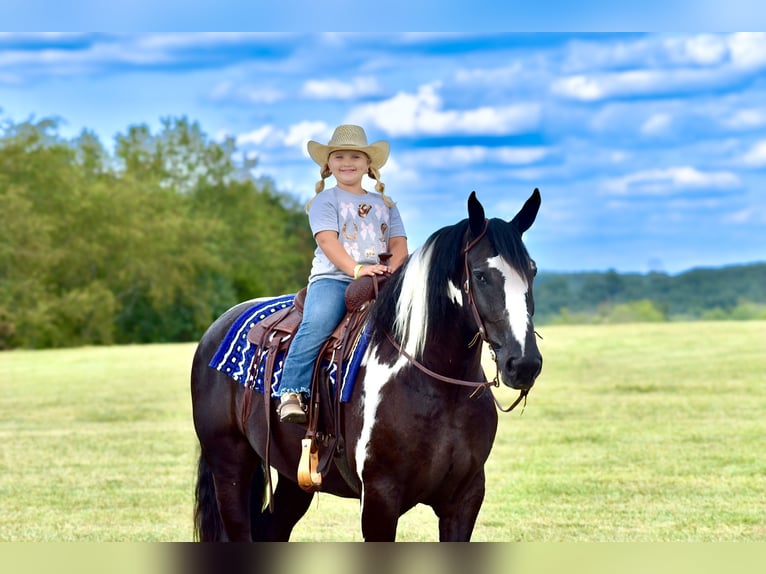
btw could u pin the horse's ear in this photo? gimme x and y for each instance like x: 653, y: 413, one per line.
x: 526, y: 217
x: 476, y: 217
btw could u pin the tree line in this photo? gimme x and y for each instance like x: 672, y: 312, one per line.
x: 736, y: 292
x: 146, y: 243
x: 151, y: 241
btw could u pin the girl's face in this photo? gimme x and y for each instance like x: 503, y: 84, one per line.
x: 348, y: 167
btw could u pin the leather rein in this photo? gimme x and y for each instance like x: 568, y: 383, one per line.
x: 482, y: 332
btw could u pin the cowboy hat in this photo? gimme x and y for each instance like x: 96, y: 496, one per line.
x: 353, y: 138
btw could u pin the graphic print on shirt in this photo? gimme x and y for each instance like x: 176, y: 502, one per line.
x: 350, y: 235
x: 352, y: 249
x: 346, y: 209
x: 364, y: 228
x: 367, y: 230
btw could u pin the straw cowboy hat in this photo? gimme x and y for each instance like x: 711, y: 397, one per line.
x: 350, y: 137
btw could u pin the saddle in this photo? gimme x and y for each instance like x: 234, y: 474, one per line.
x: 274, y: 335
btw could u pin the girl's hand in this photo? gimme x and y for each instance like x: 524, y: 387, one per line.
x: 376, y: 269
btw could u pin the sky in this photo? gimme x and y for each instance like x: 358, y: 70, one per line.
x: 649, y: 149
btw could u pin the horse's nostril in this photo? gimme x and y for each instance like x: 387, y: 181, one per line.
x: 524, y: 369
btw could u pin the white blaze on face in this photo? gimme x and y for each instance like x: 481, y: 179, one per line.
x: 515, y: 287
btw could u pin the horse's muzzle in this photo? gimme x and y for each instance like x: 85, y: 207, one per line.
x: 521, y: 373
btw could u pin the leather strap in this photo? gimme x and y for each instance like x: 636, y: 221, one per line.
x: 437, y: 376
x: 467, y: 285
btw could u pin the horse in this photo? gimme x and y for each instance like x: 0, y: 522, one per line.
x: 420, y: 422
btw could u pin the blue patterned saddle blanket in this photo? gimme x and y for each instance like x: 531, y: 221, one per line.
x: 236, y: 354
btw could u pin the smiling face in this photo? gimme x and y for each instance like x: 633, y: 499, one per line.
x: 349, y: 167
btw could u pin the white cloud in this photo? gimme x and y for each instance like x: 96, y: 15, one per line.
x: 756, y: 157
x: 502, y: 76
x: 746, y: 119
x: 197, y: 39
x: 422, y: 113
x: 663, y: 181
x: 296, y: 135
x: 302, y: 132
x: 580, y: 88
x: 228, y: 91
x: 588, y: 55
x: 751, y: 214
x: 520, y: 155
x: 748, y: 50
x: 255, y: 137
x: 458, y: 157
x: 633, y: 83
x: 657, y: 124
x: 703, y: 50
x: 337, y: 90
x: 673, y: 65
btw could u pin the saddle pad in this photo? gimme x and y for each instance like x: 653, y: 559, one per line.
x: 235, y: 354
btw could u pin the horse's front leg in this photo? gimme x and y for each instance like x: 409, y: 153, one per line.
x: 380, y: 512
x: 457, y: 515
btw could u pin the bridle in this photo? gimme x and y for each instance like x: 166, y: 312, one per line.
x: 478, y: 386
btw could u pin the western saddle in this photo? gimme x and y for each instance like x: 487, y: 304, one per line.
x: 273, y: 336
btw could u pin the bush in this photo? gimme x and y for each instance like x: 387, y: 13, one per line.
x: 643, y: 311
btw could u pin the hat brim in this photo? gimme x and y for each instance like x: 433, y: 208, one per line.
x: 377, y: 152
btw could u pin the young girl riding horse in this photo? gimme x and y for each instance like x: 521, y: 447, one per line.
x: 351, y: 227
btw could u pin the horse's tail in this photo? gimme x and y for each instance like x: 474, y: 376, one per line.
x: 208, y: 526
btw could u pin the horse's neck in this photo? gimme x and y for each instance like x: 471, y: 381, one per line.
x: 458, y: 353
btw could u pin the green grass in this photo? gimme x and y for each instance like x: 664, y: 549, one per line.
x: 645, y: 432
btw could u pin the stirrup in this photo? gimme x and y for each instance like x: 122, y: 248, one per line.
x: 308, y: 478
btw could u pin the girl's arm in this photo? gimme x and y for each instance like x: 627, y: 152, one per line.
x: 329, y: 243
x: 399, y: 253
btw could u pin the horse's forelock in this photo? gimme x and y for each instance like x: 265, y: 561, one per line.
x: 508, y: 244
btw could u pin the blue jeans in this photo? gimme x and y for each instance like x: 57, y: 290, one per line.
x: 324, y: 308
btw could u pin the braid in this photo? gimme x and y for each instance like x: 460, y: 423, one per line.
x: 380, y: 187
x: 324, y: 173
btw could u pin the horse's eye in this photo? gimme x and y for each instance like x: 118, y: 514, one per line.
x: 533, y: 267
x: 480, y: 277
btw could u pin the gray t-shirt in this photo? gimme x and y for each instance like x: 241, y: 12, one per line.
x: 364, y: 224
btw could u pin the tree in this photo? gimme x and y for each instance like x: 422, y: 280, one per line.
x: 96, y: 250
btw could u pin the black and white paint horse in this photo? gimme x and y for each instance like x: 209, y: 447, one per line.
x: 412, y: 437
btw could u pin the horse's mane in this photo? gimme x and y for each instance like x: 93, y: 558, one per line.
x: 417, y: 297
x: 417, y: 292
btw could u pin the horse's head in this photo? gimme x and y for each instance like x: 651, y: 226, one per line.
x: 498, y: 285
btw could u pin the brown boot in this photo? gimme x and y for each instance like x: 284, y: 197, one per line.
x: 291, y: 409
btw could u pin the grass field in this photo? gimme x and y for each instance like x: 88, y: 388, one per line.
x: 647, y: 432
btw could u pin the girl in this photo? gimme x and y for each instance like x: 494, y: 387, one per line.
x: 351, y: 227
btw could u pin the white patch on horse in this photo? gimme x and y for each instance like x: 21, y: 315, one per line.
x: 377, y: 375
x: 454, y: 293
x: 515, y: 288
x: 412, y: 308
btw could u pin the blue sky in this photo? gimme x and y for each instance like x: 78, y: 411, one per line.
x: 649, y: 149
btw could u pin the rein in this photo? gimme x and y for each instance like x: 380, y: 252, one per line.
x: 476, y: 385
